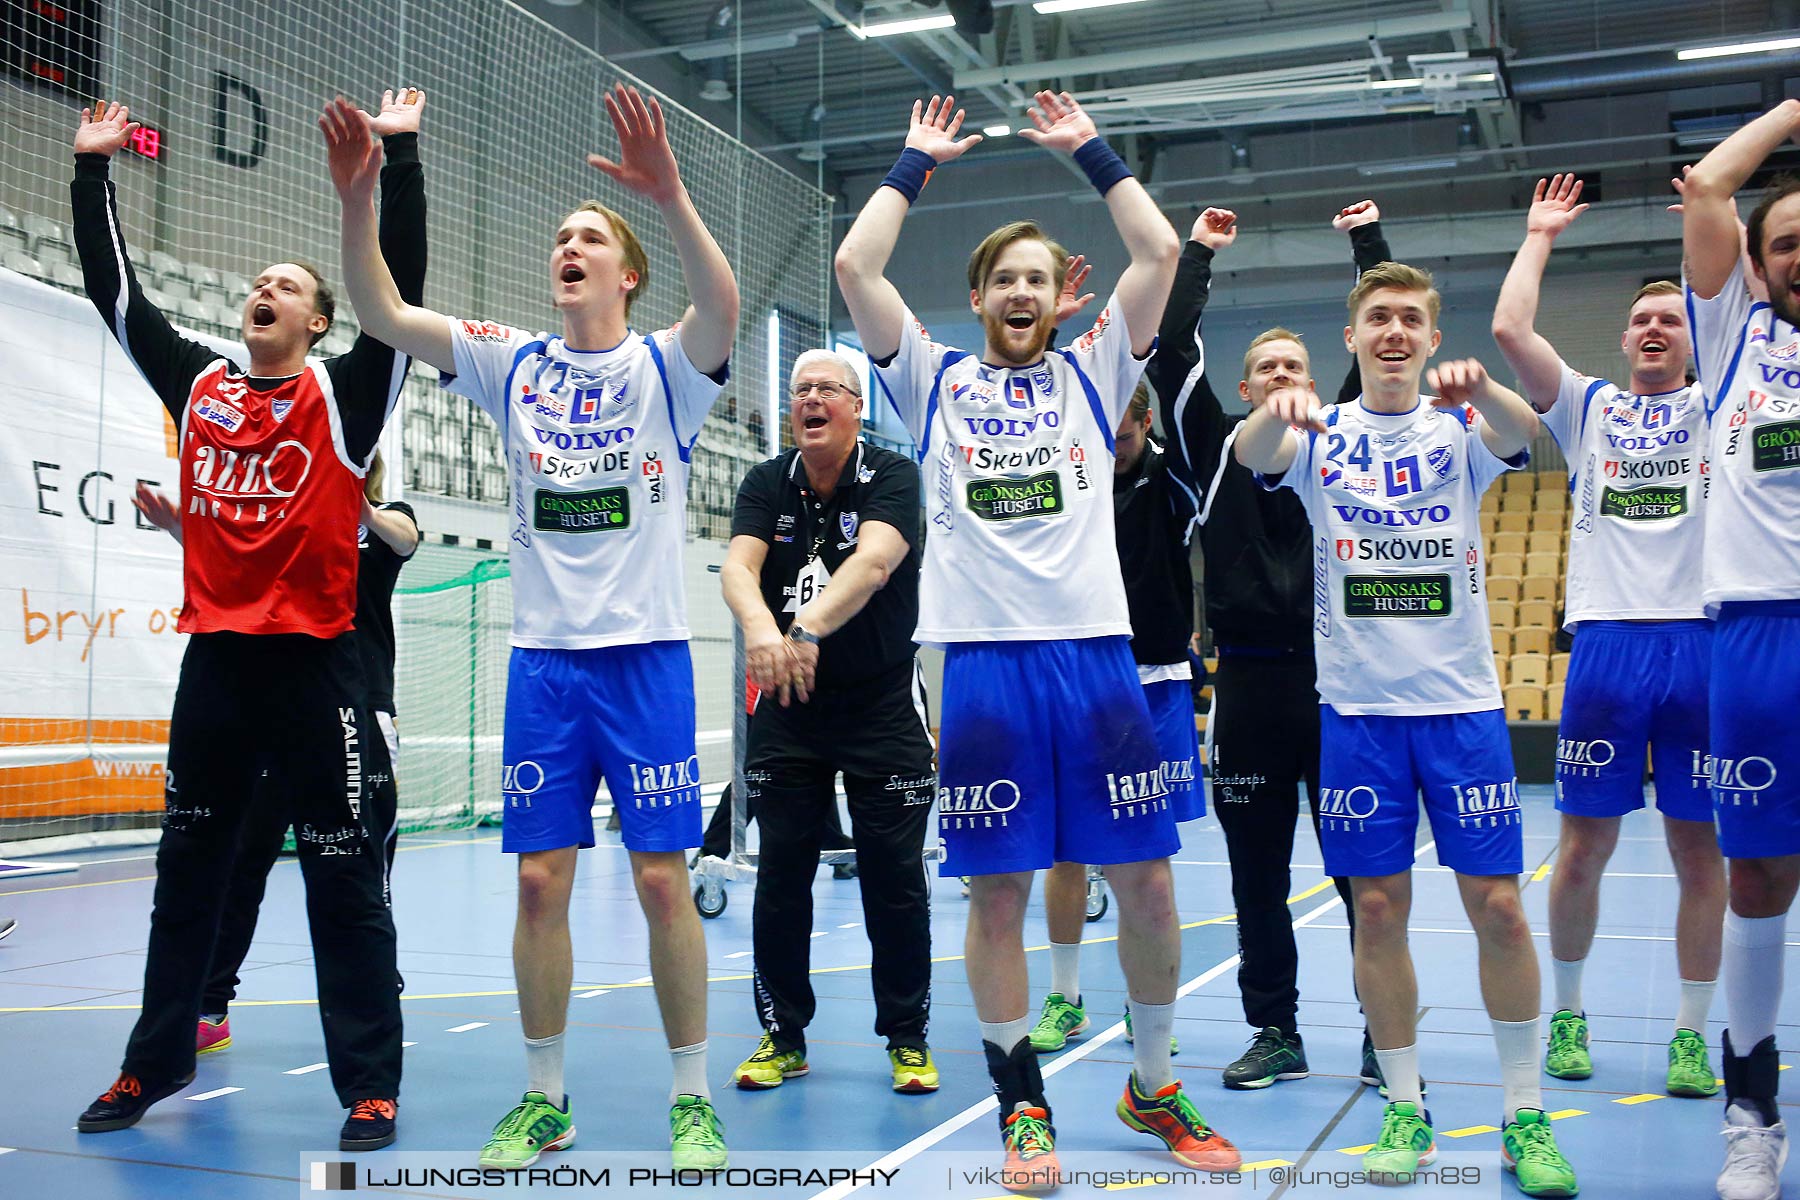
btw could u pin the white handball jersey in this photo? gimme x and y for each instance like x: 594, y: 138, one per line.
x: 1018, y: 466
x: 1639, y: 480
x: 1400, y: 620
x: 1749, y: 361
x: 597, y: 446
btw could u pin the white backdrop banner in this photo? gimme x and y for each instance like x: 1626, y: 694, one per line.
x: 91, y: 591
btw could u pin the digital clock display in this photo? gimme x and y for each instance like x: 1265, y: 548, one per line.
x: 52, y: 43
x: 147, y: 142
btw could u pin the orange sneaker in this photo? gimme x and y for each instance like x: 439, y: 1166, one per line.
x: 370, y: 1125
x: 1031, y: 1167
x: 1172, y: 1117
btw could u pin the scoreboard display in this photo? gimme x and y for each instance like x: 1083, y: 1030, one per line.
x: 54, y: 44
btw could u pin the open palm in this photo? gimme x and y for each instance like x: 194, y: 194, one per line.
x: 399, y: 113
x: 1554, y: 205
x: 646, y: 164
x: 1060, y: 123
x: 104, y: 128
x: 934, y: 129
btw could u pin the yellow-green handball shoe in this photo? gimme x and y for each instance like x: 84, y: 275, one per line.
x: 696, y: 1135
x: 1568, y: 1056
x: 769, y: 1066
x: 533, y: 1127
x: 914, y: 1071
x: 1061, y: 1020
x: 1528, y: 1150
x: 1690, y: 1073
x: 1405, y: 1145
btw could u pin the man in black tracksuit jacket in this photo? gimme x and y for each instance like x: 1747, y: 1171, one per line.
x: 1263, y: 731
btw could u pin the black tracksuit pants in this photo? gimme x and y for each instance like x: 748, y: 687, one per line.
x: 1264, y: 733
x: 291, y: 704
x: 259, y: 845
x: 875, y: 734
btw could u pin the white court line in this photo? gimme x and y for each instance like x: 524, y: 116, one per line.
x: 214, y: 1095
x: 307, y: 1070
x: 8, y: 1149
x: 644, y: 979
x: 741, y: 954
x: 850, y: 925
x: 820, y: 932
x: 967, y: 1116
x: 592, y: 994
x: 1544, y: 933
x: 406, y: 1045
x: 469, y: 1026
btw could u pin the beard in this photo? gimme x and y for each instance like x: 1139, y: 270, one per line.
x: 1785, y: 304
x: 997, y: 330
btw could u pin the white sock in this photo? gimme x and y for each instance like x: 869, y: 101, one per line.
x: 1521, y: 1057
x: 1567, y: 978
x: 1065, y: 970
x: 690, y: 1071
x: 1400, y: 1071
x: 1696, y: 1002
x: 544, y: 1068
x: 1752, y: 972
x: 1151, y: 1025
x: 1006, y: 1034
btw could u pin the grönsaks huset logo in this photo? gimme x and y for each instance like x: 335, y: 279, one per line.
x: 1396, y: 595
x: 1011, y: 499
x: 1776, y: 447
x: 1644, y: 504
x: 333, y: 1177
x: 581, y: 512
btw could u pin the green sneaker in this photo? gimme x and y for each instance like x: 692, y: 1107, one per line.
x: 696, y: 1134
x: 1568, y: 1057
x: 1174, y: 1042
x: 1060, y: 1022
x: 914, y: 1070
x: 1406, y: 1144
x: 1690, y: 1074
x: 769, y: 1066
x: 1528, y: 1150
x: 534, y: 1126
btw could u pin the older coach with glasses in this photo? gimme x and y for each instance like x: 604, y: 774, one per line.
x: 823, y: 577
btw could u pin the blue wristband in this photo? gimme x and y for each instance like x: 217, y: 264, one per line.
x: 909, y: 173
x: 1102, y: 163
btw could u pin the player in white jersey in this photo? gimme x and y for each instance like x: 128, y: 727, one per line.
x: 598, y: 424
x: 1643, y: 646
x: 1047, y: 750
x: 1748, y: 353
x: 1392, y: 485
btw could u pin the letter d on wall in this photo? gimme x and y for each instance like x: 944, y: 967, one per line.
x: 224, y: 85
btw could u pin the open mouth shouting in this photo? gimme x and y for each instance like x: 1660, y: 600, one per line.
x: 571, y: 273
x: 1021, y: 320
x: 262, y: 315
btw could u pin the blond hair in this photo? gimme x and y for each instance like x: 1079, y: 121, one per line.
x: 633, y: 250
x: 1277, y: 334
x: 1395, y: 277
x: 981, y: 262
x: 1656, y: 287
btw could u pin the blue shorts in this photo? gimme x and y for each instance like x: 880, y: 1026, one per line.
x: 1046, y: 754
x: 1372, y: 771
x: 573, y: 717
x: 1632, y: 684
x: 1171, y: 703
x: 1755, y: 751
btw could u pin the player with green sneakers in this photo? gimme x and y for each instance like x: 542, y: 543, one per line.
x: 1411, y: 701
x: 600, y: 685
x: 1639, y: 674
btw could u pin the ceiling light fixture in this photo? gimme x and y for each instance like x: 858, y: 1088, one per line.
x: 910, y: 25
x: 1763, y: 47
x: 1050, y: 8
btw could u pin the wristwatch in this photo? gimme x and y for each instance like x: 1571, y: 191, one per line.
x: 800, y: 633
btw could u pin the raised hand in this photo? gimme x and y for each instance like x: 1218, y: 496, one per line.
x: 646, y: 164
x: 104, y: 128
x: 351, y: 150
x: 1458, y: 382
x: 1554, y: 205
x: 157, y: 508
x: 1297, y: 406
x: 400, y: 112
x: 1061, y: 125
x: 1363, y: 212
x: 934, y: 130
x: 1216, y: 227
x: 1069, y: 302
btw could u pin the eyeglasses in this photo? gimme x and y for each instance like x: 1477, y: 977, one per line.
x: 826, y: 391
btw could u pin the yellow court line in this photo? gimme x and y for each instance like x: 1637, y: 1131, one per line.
x: 1314, y: 890
x: 1265, y: 1163
x: 1640, y: 1098
x: 1561, y: 1113
x: 1356, y: 1149
x: 1537, y: 876
x: 1470, y: 1130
